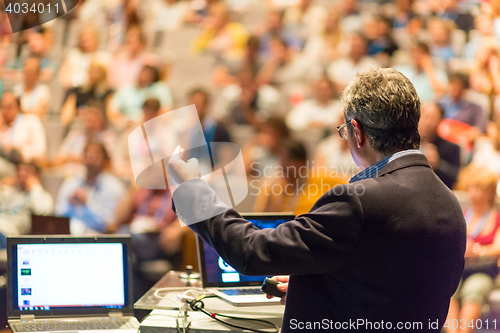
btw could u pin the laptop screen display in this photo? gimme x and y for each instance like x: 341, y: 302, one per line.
x: 217, y: 273
x: 69, y: 275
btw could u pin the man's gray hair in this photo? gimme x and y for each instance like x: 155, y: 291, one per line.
x: 387, y: 104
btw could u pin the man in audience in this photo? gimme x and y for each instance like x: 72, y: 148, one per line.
x: 90, y: 201
x: 457, y: 107
x: 35, y: 98
x: 430, y: 82
x: 343, y: 70
x: 21, y: 132
x: 20, y: 196
x: 273, y: 28
x: 319, y: 112
x: 443, y: 156
x: 126, y: 107
x: 246, y: 102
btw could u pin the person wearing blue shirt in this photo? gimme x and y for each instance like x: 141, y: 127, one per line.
x: 90, y: 201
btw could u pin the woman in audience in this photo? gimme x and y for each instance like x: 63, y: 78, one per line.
x: 485, y: 74
x: 127, y: 63
x: 220, y: 36
x: 126, y: 107
x: 487, y: 148
x: 482, y: 252
x: 96, y: 89
x: 74, y: 70
x: 330, y: 42
x: 35, y: 97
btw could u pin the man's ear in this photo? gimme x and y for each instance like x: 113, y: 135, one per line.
x: 359, y: 133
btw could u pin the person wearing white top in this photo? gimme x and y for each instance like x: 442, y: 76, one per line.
x: 23, y: 132
x: 34, y: 97
x: 343, y: 70
x: 318, y: 112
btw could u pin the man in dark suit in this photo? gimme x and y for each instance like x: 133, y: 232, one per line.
x: 443, y: 156
x: 385, y: 251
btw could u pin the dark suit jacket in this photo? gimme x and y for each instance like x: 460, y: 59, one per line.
x: 389, y: 248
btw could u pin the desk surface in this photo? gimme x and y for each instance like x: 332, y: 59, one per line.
x: 166, y: 299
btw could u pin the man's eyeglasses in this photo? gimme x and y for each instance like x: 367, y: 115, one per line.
x: 342, y: 129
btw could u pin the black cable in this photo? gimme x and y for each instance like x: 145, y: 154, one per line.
x: 198, y: 305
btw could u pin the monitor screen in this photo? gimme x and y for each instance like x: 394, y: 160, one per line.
x: 69, y: 275
x: 218, y: 273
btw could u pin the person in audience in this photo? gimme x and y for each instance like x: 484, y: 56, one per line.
x: 22, y: 132
x: 284, y: 191
x: 213, y: 131
x: 332, y: 157
x: 440, y: 36
x: 443, y: 156
x: 485, y: 73
x: 226, y: 71
x: 319, y: 112
x: 381, y: 44
x: 483, y: 248
x: 330, y: 42
x: 169, y: 15
x: 429, y: 81
x: 352, y: 20
x: 96, y: 90
x: 261, y: 151
x: 486, y: 151
x: 273, y: 28
x: 21, y: 195
x: 450, y: 10
x: 90, y: 201
x: 127, y: 102
x: 127, y: 63
x: 95, y: 129
x: 305, y: 18
x: 457, y: 107
x: 289, y: 72
x: 35, y: 97
x: 74, y: 70
x: 404, y: 16
x: 221, y: 36
x: 484, y: 29
x: 343, y: 70
x: 246, y: 102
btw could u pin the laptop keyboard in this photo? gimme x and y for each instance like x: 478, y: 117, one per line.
x: 44, y: 326
x: 241, y: 291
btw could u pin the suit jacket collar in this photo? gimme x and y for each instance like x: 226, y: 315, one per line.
x: 405, y: 162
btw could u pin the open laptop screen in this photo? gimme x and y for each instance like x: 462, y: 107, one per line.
x: 217, y: 273
x: 55, y: 277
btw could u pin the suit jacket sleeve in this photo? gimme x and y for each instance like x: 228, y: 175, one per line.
x: 313, y: 243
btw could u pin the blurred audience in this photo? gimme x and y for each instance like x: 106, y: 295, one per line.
x: 319, y: 112
x: 74, y: 70
x: 35, y: 97
x: 90, y: 201
x: 483, y: 248
x: 247, y: 102
x: 443, y: 156
x: 430, y: 82
x: 20, y: 196
x: 95, y: 90
x: 21, y: 132
x: 341, y: 71
x: 127, y: 102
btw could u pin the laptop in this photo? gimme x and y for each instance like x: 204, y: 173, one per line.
x: 224, y: 281
x: 49, y: 225
x: 64, y: 283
